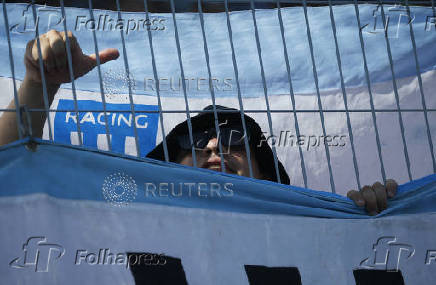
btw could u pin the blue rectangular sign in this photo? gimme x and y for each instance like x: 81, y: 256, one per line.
x: 120, y: 124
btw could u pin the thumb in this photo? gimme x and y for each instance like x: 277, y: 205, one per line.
x: 105, y: 55
x: 88, y: 62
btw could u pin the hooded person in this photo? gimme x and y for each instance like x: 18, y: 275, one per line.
x: 232, y: 139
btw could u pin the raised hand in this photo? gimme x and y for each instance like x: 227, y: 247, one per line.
x: 54, y: 56
x: 55, y: 65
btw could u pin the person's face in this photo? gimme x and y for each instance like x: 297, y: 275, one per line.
x: 235, y: 159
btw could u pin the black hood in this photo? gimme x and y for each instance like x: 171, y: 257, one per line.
x: 230, y: 116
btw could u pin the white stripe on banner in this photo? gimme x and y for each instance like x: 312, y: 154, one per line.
x: 86, y: 242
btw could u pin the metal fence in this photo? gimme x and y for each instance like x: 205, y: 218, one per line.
x: 251, y: 5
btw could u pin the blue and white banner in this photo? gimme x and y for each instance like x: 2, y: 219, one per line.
x: 88, y: 217
x: 134, y: 27
x: 412, y: 92
x: 79, y: 214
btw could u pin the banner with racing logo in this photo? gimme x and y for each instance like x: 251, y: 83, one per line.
x: 139, y: 88
x: 81, y: 214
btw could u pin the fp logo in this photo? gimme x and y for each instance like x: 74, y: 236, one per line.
x: 38, y: 254
x: 387, y: 254
x: 48, y: 16
x: 395, y: 18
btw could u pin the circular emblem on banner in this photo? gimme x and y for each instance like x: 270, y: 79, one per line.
x: 119, y: 189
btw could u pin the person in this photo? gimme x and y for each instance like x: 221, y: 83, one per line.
x: 231, y: 135
x: 206, y: 141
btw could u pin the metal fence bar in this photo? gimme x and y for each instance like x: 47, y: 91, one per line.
x: 291, y: 92
x: 397, y: 99
x: 41, y: 70
x: 434, y: 11
x: 265, y: 91
x: 70, y: 69
x: 212, y: 92
x: 156, y: 80
x: 325, y: 2
x: 235, y: 111
x: 421, y: 89
x: 179, y: 53
x: 371, y: 101
x: 126, y: 65
x: 321, y: 114
x: 241, y: 106
x: 344, y: 95
x: 103, y: 98
x: 11, y: 64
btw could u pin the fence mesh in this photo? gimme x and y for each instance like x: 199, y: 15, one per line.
x: 200, y: 8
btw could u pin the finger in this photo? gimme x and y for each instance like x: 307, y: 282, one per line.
x: 370, y: 200
x: 357, y: 197
x: 29, y: 53
x: 106, y: 55
x: 57, y: 45
x: 391, y: 187
x: 34, y: 52
x: 381, y: 196
x: 32, y: 66
x: 80, y: 62
x: 47, y: 54
x: 76, y: 51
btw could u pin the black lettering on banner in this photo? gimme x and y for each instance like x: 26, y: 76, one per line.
x: 262, y: 275
x: 157, y: 269
x: 378, y: 277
